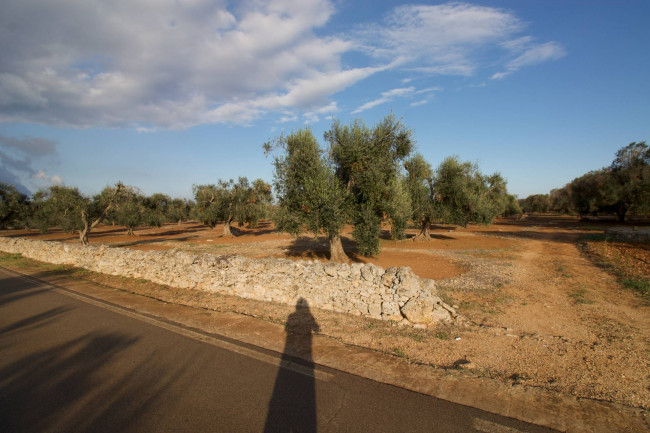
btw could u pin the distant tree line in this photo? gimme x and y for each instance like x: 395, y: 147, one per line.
x: 364, y: 176
x: 70, y: 210
x: 622, y: 188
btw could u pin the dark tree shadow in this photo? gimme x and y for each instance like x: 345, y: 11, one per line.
x: 293, y: 403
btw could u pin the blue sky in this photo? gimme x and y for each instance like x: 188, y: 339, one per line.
x: 162, y: 95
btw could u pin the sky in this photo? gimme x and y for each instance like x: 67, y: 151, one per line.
x: 165, y: 94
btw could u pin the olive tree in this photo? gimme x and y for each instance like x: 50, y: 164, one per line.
x: 367, y: 161
x: 630, y: 171
x: 309, y: 195
x: 14, y: 207
x: 257, y: 203
x: 178, y: 210
x: 228, y: 201
x: 67, y: 208
x: 156, y: 209
x: 464, y: 195
x: 420, y: 186
x: 129, y: 209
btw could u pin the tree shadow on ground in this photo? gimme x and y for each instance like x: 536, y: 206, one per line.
x: 293, y: 403
x: 311, y: 248
x: 386, y: 235
x: 263, y: 228
x: 63, y: 388
x: 149, y: 241
x: 16, y: 288
x: 570, y: 238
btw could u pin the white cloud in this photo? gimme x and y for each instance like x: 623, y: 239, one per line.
x: 42, y: 179
x: 395, y: 93
x: 385, y: 97
x: 529, y: 54
x: 454, y: 39
x: 166, y: 63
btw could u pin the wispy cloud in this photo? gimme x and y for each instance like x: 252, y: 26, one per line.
x: 390, y: 95
x: 454, y: 39
x: 385, y: 97
x: 528, y: 53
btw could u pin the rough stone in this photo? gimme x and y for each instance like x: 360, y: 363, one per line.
x: 394, y: 294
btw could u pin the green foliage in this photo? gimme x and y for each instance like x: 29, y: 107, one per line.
x: 464, y: 195
x: 398, y: 207
x: 631, y: 172
x: 640, y: 285
x: 206, y: 206
x: 156, y: 209
x: 367, y: 161
x: 59, y: 206
x: 14, y: 207
x: 129, y: 210
x: 512, y: 206
x: 70, y: 210
x: 178, y: 210
x: 366, y: 229
x: 230, y: 202
x: 308, y: 193
x: 623, y: 186
x: 536, y: 203
x: 560, y: 200
x: 258, y: 203
x: 593, y: 191
x: 420, y: 187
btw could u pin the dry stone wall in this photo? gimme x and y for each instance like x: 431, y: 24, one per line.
x: 367, y: 290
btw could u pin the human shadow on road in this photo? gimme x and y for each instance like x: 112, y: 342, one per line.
x: 293, y: 403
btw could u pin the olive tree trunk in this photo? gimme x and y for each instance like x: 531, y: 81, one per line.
x: 425, y: 233
x: 337, y: 254
x: 88, y: 226
x: 226, y: 227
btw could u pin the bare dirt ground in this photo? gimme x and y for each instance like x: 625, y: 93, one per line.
x: 539, y: 307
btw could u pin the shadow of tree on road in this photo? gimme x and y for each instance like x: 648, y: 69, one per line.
x: 62, y: 388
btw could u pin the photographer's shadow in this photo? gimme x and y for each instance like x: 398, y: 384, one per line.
x: 293, y: 403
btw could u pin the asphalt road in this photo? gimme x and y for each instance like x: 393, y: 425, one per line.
x: 74, y: 365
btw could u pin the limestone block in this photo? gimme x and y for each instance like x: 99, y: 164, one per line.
x: 331, y: 270
x: 374, y: 310
x: 418, y: 310
x: 440, y: 315
x: 390, y: 311
x: 366, y: 273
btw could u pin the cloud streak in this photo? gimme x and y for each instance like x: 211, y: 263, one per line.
x: 454, y: 39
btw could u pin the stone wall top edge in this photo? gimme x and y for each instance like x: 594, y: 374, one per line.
x: 195, y: 256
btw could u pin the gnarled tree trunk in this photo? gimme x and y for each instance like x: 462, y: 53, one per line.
x: 425, y: 233
x: 337, y: 254
x: 226, y: 227
x: 88, y: 226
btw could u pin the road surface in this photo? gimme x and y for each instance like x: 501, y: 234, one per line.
x: 70, y: 364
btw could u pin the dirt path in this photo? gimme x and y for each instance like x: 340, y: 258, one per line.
x: 562, y: 323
